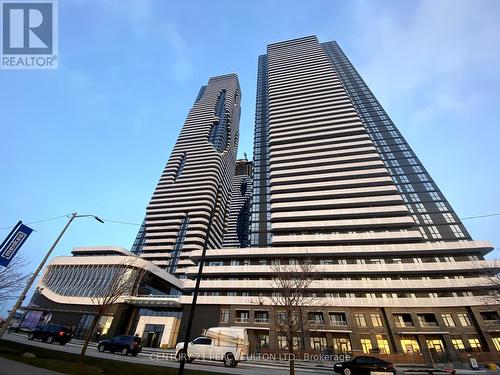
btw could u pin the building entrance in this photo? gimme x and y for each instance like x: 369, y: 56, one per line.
x: 152, y: 335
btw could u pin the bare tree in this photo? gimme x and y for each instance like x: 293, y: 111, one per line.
x: 491, y: 275
x: 13, y: 278
x: 123, y: 280
x: 291, y: 283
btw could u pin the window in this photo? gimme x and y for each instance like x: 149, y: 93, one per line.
x: 457, y: 231
x: 316, y: 318
x: 376, y: 320
x: 261, y: 317
x: 435, y: 344
x: 434, y: 196
x: 241, y: 316
x: 318, y: 343
x: 458, y: 344
x: 448, y: 320
x: 262, y: 341
x: 441, y: 206
x: 410, y: 345
x: 496, y: 342
x: 341, y: 345
x: 360, y: 319
x: 427, y: 219
x: 474, y: 344
x: 224, y: 316
x: 409, y: 188
x: 383, y: 344
x: 448, y: 217
x: 218, y: 136
x: 282, y: 344
x: 338, y: 319
x: 180, y: 168
x: 420, y: 207
x: 464, y: 320
x: 434, y: 232
x: 489, y: 316
x: 179, y: 243
x: 202, y: 341
x: 427, y: 320
x: 428, y: 186
x: 366, y: 345
x: 403, y: 320
x: 414, y: 197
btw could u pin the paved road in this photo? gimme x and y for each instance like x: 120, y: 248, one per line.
x: 154, y: 359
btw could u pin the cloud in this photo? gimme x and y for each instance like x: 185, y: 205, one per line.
x: 435, y: 53
x: 183, y: 68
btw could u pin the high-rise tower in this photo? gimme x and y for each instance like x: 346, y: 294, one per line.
x: 336, y: 186
x: 199, y: 171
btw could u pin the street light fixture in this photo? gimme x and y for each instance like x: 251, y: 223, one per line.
x: 21, y: 298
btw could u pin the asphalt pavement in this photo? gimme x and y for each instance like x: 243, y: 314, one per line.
x: 157, y: 358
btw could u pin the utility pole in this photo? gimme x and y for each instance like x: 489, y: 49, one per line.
x: 183, y: 354
x: 37, y: 271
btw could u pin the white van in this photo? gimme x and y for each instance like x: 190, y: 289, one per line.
x: 227, y: 344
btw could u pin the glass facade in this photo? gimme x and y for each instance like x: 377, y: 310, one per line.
x: 431, y: 211
x: 179, y: 243
x: 219, y: 132
x: 260, y: 235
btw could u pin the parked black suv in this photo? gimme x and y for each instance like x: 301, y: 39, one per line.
x: 364, y: 365
x: 51, y: 333
x: 122, y: 344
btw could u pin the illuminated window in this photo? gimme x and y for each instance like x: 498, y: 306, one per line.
x: 458, y: 344
x: 410, y: 346
x: 341, y: 344
x: 366, y: 345
x: 475, y: 345
x: 434, y: 344
x: 496, y: 342
x: 383, y: 344
x: 360, y: 319
x: 318, y: 343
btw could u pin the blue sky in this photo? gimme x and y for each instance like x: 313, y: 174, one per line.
x: 94, y: 135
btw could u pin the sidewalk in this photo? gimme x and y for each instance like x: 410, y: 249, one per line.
x: 8, y: 367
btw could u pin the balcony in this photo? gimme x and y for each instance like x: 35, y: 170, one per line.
x: 403, y: 320
x: 338, y: 319
x: 261, y: 317
x: 404, y: 324
x: 428, y: 324
x: 242, y: 316
x: 427, y: 320
x: 241, y: 320
x: 315, y: 319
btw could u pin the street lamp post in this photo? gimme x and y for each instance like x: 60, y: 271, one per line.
x: 21, y: 298
x: 183, y: 355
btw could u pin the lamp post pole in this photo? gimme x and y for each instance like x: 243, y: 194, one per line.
x: 183, y: 354
x: 37, y: 271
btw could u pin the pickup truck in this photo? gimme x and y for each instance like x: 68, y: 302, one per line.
x: 226, y: 344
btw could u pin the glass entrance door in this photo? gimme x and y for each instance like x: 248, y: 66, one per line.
x: 152, y: 335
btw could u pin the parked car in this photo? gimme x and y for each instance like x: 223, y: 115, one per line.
x: 364, y: 365
x: 122, y: 344
x: 51, y: 333
x: 227, y: 344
